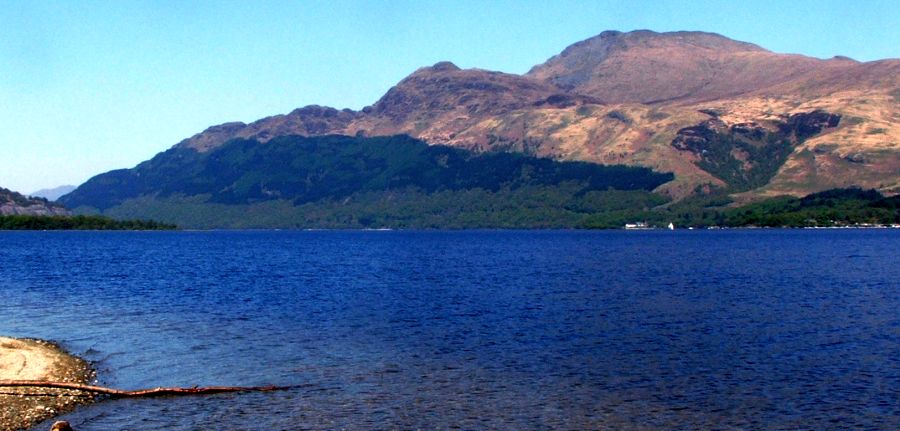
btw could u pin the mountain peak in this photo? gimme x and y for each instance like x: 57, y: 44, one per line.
x: 597, y: 48
x: 445, y: 66
x: 646, y: 67
x: 700, y: 39
x: 445, y: 88
x: 440, y: 67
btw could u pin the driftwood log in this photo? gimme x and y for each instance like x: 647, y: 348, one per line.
x: 155, y: 392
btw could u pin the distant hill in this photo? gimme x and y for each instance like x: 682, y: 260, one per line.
x: 13, y: 203
x: 340, y: 181
x: 52, y: 194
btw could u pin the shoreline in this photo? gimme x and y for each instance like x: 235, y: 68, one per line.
x: 408, y: 230
x: 32, y: 359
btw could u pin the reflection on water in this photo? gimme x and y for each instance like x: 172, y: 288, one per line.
x: 472, y: 330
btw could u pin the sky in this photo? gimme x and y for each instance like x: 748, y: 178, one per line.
x: 91, y: 86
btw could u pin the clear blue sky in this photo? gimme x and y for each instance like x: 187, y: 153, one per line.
x: 86, y: 87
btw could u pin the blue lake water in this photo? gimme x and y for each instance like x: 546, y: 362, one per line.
x: 750, y: 329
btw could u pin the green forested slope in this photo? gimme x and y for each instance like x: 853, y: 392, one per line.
x: 340, y: 181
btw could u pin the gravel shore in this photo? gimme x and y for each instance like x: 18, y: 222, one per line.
x: 25, y: 359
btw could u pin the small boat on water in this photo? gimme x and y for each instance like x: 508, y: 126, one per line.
x: 637, y: 226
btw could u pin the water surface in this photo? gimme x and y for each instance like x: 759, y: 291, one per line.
x: 764, y: 329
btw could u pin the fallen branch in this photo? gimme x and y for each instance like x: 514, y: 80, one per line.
x: 155, y: 392
x: 47, y: 394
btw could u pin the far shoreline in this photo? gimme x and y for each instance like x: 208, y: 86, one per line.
x: 472, y: 229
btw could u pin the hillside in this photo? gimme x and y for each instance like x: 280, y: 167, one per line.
x: 725, y: 117
x: 835, y: 207
x: 12, y: 203
x: 340, y: 181
x: 625, y: 98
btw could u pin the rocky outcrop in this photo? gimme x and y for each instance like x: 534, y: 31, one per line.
x: 12, y: 203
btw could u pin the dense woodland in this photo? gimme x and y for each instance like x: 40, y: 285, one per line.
x: 836, y: 207
x: 296, y: 182
x: 527, y: 207
x: 81, y: 222
x: 310, y: 169
x: 747, y: 156
x: 830, y: 208
x: 352, y: 182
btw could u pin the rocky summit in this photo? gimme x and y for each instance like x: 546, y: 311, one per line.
x: 636, y: 98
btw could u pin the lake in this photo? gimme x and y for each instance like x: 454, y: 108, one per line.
x: 731, y: 329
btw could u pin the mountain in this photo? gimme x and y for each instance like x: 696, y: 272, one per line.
x: 725, y: 117
x: 12, y: 203
x: 52, y: 194
x: 342, y: 181
x: 625, y: 97
x: 738, y: 85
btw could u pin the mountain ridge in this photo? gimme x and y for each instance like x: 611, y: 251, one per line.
x: 623, y: 98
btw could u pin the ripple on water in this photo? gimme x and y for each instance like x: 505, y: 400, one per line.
x: 473, y: 330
